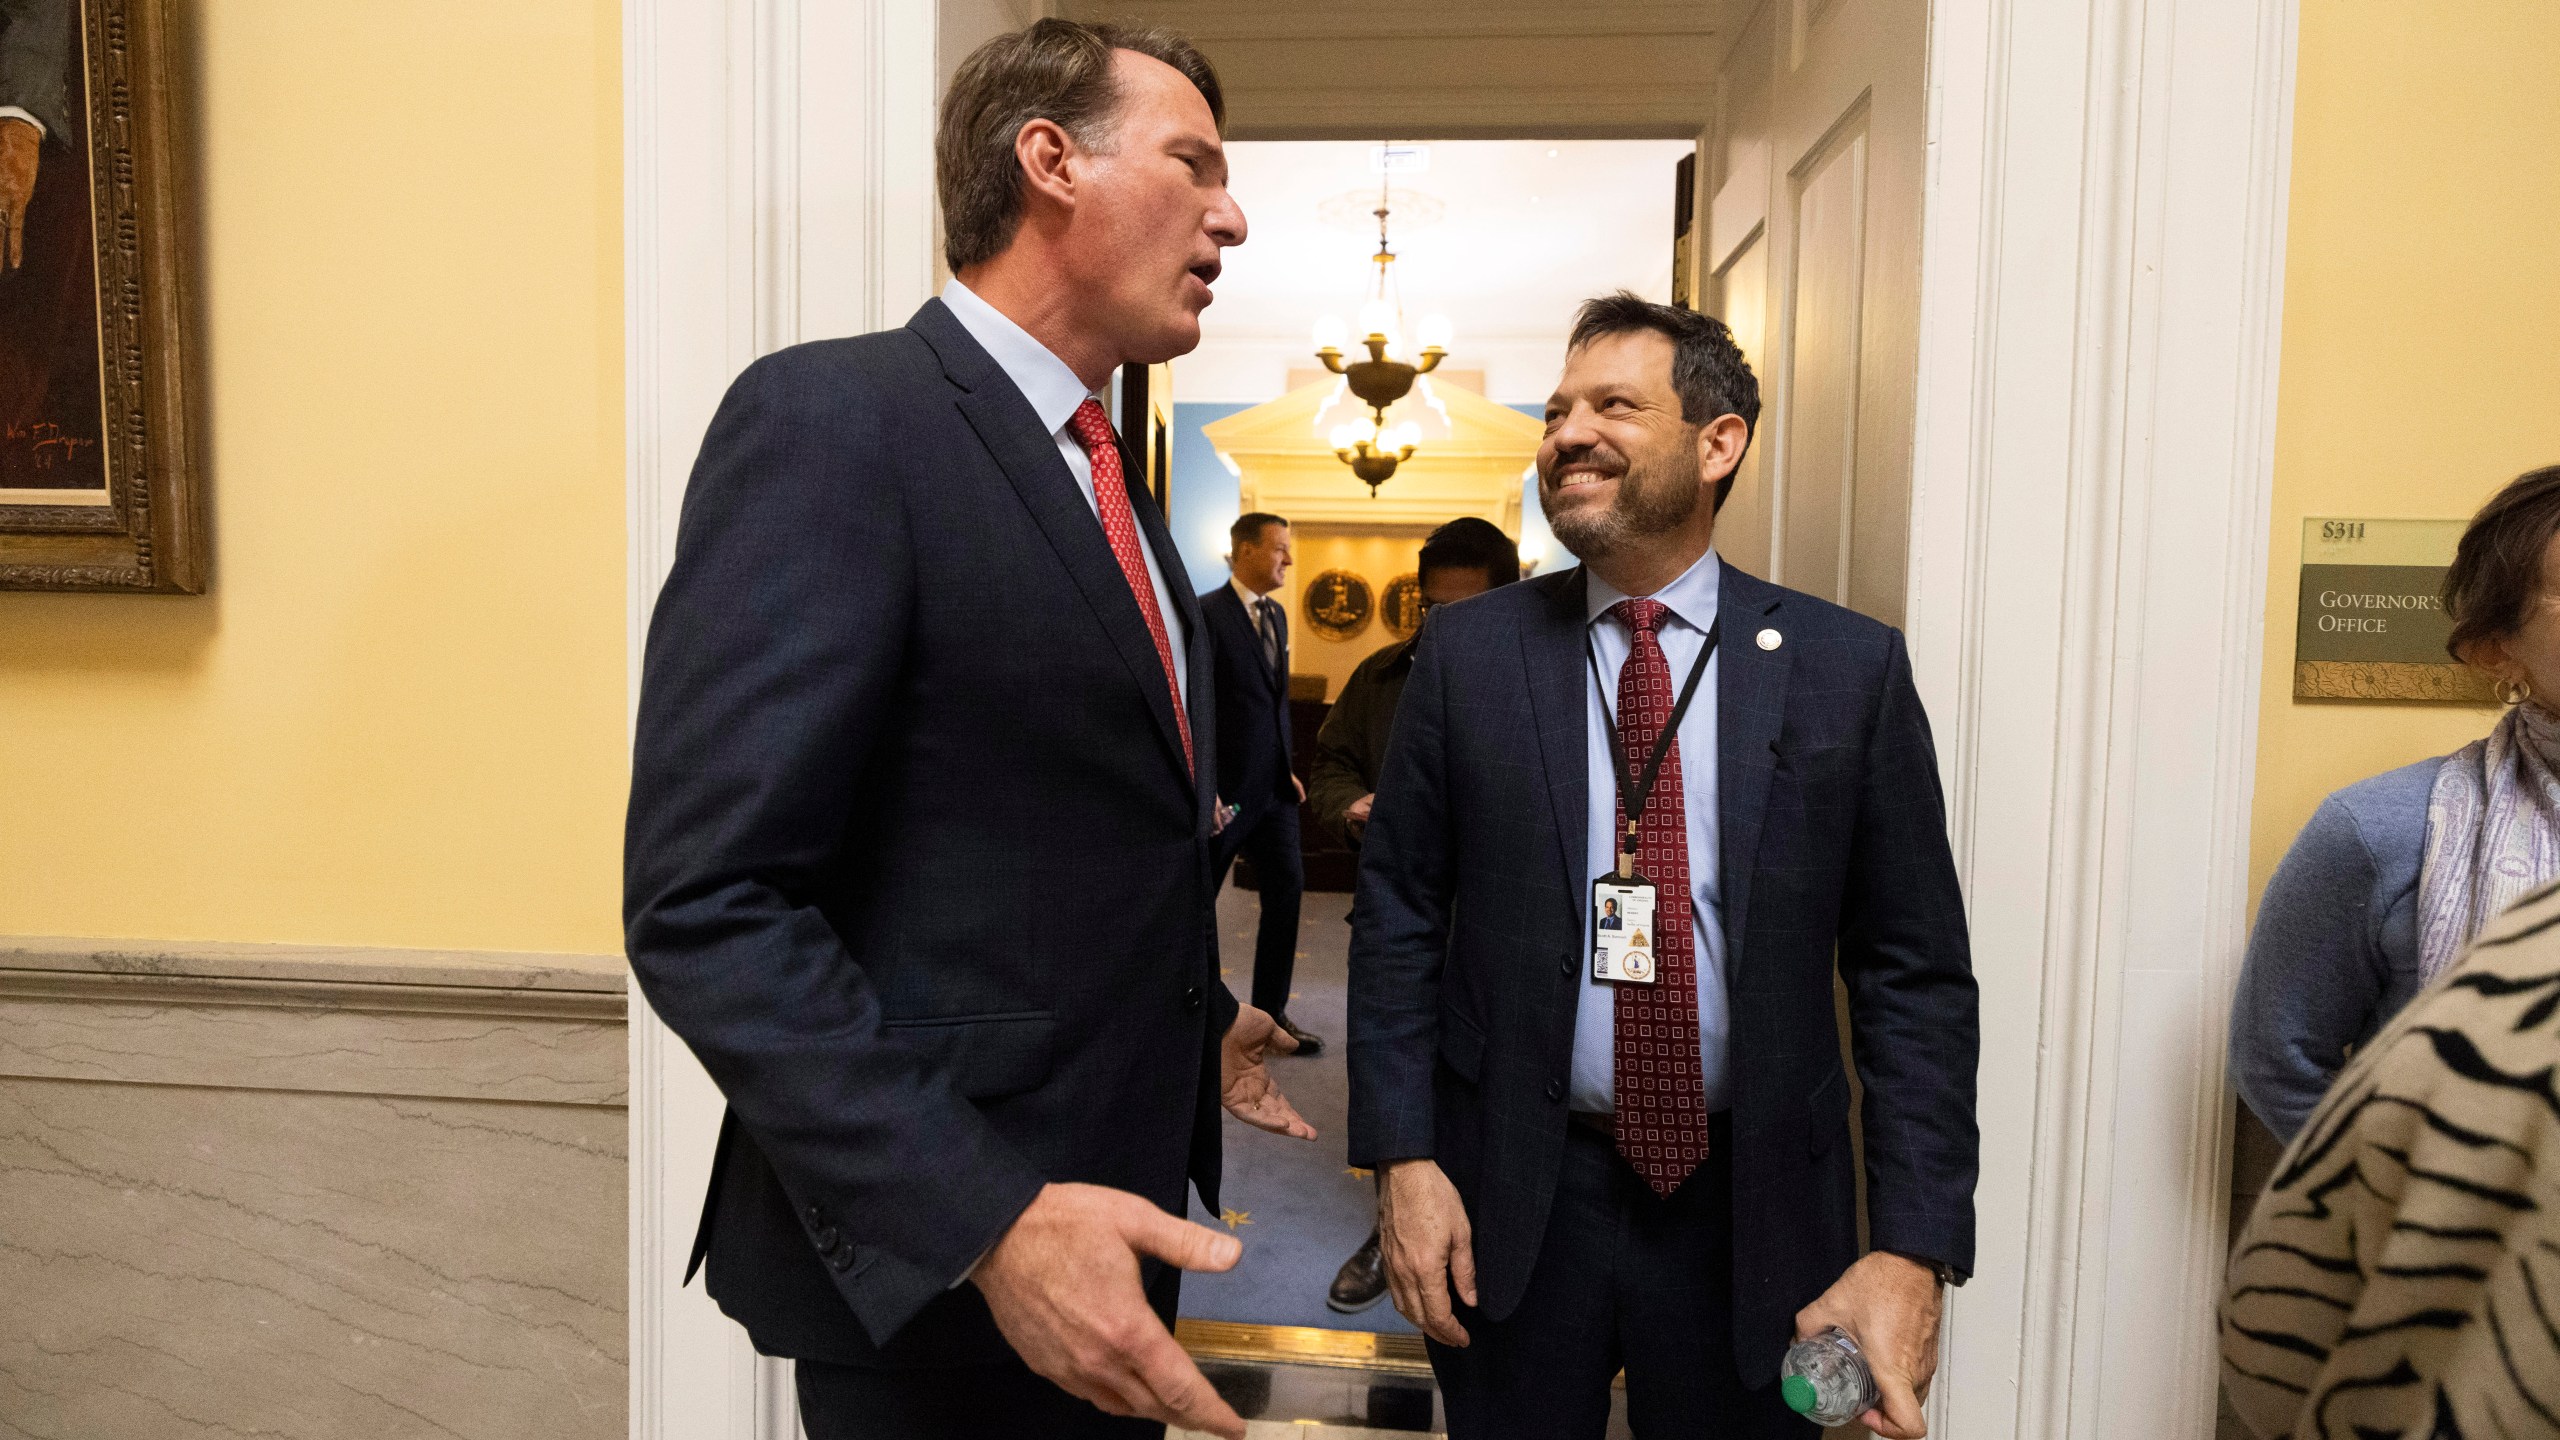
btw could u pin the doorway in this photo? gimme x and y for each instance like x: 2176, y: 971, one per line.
x: 2100, y: 223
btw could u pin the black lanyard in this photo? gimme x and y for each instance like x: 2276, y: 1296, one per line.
x: 1634, y: 791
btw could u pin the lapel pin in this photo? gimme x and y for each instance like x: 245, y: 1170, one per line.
x: 1771, y: 639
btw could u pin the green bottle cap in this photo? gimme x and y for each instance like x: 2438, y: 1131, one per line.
x: 1799, y: 1394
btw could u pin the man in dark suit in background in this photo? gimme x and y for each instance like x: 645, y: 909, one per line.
x: 1251, y: 639
x: 1657, y: 1176
x: 919, y: 859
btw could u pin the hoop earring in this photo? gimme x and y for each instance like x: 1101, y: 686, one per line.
x: 2515, y: 692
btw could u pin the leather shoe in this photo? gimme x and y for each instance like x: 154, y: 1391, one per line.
x: 1362, y: 1280
x: 1307, y: 1043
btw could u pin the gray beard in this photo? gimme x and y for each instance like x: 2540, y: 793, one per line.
x: 1647, y: 505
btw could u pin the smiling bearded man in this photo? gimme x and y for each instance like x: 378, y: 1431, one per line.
x: 1629, y: 1158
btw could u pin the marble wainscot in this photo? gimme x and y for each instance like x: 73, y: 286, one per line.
x: 303, y: 1192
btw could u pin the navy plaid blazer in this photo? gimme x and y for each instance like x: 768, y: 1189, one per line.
x: 914, y: 863
x: 1467, y: 939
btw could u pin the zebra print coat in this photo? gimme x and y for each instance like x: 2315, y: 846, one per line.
x: 2401, y: 1276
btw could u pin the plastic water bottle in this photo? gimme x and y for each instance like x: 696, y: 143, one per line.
x: 1825, y: 1379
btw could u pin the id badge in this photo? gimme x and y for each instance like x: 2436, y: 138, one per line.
x: 1622, y: 930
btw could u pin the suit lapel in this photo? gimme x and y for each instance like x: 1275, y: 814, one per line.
x: 1029, y: 458
x: 1751, y: 699
x: 1551, y: 649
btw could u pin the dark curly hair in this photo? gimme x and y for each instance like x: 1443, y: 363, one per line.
x: 1708, y: 370
x: 2497, y: 570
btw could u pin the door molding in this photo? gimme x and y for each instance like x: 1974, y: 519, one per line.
x: 778, y: 187
x: 2101, y: 298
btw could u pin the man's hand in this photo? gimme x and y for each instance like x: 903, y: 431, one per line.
x: 1244, y: 1082
x: 1422, y: 1224
x: 1063, y: 1285
x: 1357, y: 817
x: 1301, y: 788
x: 20, y: 144
x: 1890, y: 1306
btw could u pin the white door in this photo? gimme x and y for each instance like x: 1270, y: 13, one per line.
x: 1815, y: 166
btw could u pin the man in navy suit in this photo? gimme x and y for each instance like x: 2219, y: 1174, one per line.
x: 1251, y: 635
x: 1650, y: 1169
x: 920, y: 846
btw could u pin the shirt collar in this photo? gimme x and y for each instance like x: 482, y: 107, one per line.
x: 1252, y: 602
x: 1691, y: 598
x: 1053, y: 390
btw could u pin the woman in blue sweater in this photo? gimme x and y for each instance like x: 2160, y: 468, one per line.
x: 2394, y: 875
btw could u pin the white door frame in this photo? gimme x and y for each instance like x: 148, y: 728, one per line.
x: 2100, y: 304
x: 778, y: 187
x: 2101, y: 297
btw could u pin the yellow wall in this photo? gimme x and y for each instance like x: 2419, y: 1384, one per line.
x: 398, y: 716
x: 2421, y: 329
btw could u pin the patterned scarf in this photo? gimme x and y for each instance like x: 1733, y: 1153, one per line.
x: 2493, y: 832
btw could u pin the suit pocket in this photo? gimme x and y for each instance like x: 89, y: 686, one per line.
x: 986, y: 1056
x: 1462, y: 1046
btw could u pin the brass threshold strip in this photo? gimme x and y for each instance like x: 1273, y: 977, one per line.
x: 1303, y: 1345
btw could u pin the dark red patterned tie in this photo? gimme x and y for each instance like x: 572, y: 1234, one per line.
x: 1092, y: 430
x: 1661, y: 1081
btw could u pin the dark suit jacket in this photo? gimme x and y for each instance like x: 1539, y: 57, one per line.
x: 1253, y: 710
x: 1467, y: 940
x: 914, y: 864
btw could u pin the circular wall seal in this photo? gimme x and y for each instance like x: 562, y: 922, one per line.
x: 1337, y: 605
x: 1401, y: 607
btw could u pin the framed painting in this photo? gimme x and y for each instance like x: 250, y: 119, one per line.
x: 99, y: 489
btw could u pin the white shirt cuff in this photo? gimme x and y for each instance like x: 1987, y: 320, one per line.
x: 12, y: 112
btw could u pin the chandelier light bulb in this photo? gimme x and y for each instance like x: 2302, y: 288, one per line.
x: 1437, y: 333
x: 1378, y: 317
x: 1330, y: 334
x: 1345, y: 435
x: 1403, y: 435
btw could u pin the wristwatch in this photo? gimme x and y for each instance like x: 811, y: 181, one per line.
x: 1945, y: 1272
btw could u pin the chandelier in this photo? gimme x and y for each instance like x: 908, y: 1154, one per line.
x: 1372, y: 447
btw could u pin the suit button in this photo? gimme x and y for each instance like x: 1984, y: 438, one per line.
x: 1194, y: 998
x: 1555, y: 1089
x: 841, y: 1261
x: 828, y: 1240
x: 817, y: 1216
x: 1564, y: 967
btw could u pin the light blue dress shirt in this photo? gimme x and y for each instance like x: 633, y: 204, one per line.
x: 1055, y: 395
x: 1692, y: 603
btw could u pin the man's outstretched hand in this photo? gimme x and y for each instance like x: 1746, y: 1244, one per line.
x: 1244, y: 1082
x: 1063, y: 1284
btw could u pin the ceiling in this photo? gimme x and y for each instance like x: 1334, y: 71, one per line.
x: 1490, y: 69
x: 1526, y: 231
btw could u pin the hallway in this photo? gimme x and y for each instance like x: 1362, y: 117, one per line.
x: 1300, y: 1209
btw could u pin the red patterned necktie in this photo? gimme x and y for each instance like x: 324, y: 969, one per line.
x: 1092, y: 430
x: 1661, y: 1081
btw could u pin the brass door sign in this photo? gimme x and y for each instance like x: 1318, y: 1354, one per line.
x: 2372, y: 624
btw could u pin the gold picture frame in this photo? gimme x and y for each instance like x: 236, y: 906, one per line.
x: 110, y: 499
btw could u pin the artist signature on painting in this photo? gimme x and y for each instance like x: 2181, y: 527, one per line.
x: 47, y: 443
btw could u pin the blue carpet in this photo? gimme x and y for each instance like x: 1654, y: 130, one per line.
x: 1297, y: 1205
